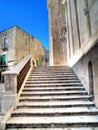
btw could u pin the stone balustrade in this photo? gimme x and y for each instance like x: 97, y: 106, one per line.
x: 13, y: 80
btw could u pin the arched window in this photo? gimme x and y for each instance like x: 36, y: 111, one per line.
x: 5, y: 43
x: 90, y: 72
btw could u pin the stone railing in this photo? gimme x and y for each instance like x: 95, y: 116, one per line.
x: 23, y: 70
x: 13, y: 80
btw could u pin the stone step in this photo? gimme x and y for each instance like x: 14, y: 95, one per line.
x: 52, y: 68
x: 44, y: 93
x: 52, y: 76
x: 54, y: 92
x: 54, y: 85
x: 55, y: 111
x: 55, y: 104
x: 56, y: 72
x: 61, y: 128
x: 52, y: 71
x: 52, y: 122
x: 54, y: 97
x: 52, y: 88
x: 49, y: 78
x: 45, y: 69
x: 58, y: 81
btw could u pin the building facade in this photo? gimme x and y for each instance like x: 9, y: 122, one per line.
x: 15, y: 44
x: 79, y: 31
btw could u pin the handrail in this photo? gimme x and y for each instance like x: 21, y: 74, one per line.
x: 13, y: 80
x: 22, y: 74
x: 20, y: 70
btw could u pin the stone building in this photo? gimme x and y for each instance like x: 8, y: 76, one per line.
x: 15, y: 44
x: 73, y: 26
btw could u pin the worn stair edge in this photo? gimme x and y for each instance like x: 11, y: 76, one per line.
x: 43, y: 85
x: 55, y: 114
x: 52, y: 89
x: 54, y: 106
x: 48, y: 122
x: 68, y: 128
x: 54, y: 99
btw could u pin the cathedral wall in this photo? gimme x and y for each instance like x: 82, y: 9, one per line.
x: 82, y: 27
x: 93, y: 10
x: 81, y: 36
x: 81, y: 68
x: 83, y: 41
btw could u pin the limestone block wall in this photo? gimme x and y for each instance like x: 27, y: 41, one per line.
x: 38, y: 51
x: 27, y: 44
x: 10, y: 34
x: 22, y: 47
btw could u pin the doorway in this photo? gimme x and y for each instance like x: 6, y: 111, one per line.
x: 37, y: 63
x: 90, y: 73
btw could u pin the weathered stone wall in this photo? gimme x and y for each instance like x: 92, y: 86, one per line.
x: 10, y: 34
x: 22, y: 44
x: 82, y: 27
x: 93, y: 11
x: 27, y: 44
x: 82, y: 70
x: 82, y: 40
x: 38, y: 51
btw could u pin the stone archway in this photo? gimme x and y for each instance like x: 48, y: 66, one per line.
x: 90, y: 74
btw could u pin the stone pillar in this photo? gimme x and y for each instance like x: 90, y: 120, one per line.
x: 51, y: 50
x: 77, y: 23
x: 86, y: 12
x: 68, y: 35
x: 70, y: 28
x: 64, y: 30
x: 50, y: 36
x: 57, y: 50
x: 9, y: 98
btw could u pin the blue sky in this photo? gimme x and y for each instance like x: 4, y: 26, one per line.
x: 31, y: 15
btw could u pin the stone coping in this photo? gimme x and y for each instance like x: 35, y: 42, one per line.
x: 18, y: 67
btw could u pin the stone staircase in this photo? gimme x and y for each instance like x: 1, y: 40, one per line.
x: 53, y: 98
